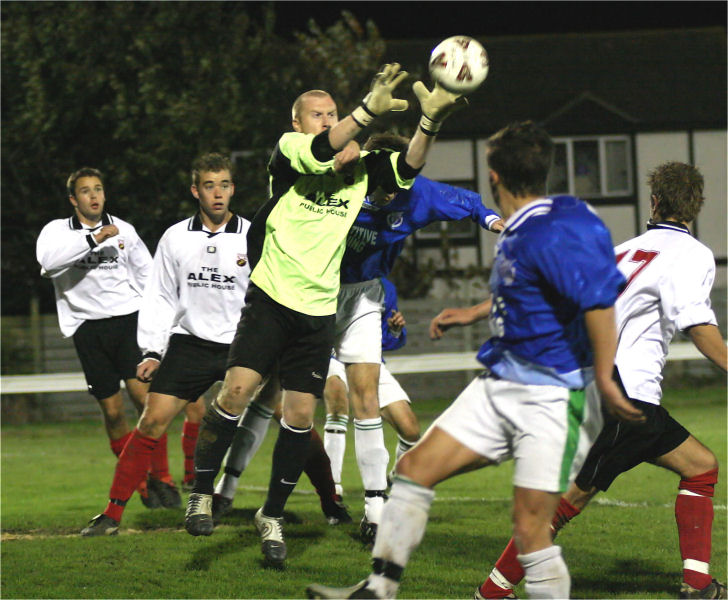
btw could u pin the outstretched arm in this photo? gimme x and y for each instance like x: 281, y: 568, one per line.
x: 377, y: 102
x: 436, y: 105
x: 457, y: 317
x: 708, y: 340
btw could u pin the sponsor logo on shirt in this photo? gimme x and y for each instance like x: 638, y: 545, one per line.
x: 395, y: 219
x: 325, y: 205
x: 359, y: 237
x: 208, y: 277
x: 99, y: 260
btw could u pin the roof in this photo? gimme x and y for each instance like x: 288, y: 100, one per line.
x: 613, y: 82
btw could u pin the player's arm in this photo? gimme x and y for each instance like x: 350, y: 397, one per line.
x: 458, y: 317
x: 602, y: 331
x: 432, y: 201
x: 140, y: 262
x: 157, y: 312
x: 377, y: 102
x: 394, y: 330
x: 708, y: 340
x: 436, y: 106
x: 59, y: 247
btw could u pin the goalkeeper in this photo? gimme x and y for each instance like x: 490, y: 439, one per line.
x: 295, y: 246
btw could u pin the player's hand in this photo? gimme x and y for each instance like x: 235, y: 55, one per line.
x: 379, y: 100
x: 437, y: 104
x: 105, y: 233
x: 396, y: 322
x: 497, y: 226
x: 146, y: 369
x: 348, y: 155
x: 618, y: 405
x: 450, y: 317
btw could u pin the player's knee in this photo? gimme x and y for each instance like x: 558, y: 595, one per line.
x: 113, y: 409
x: 194, y: 411
x: 152, y: 425
x: 702, y: 484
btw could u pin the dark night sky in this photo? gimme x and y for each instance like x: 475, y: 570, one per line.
x: 415, y: 19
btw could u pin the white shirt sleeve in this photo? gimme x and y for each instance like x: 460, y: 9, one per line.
x: 140, y: 263
x: 59, y: 247
x: 685, y: 299
x: 158, y: 312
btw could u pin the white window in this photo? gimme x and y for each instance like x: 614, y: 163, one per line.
x: 592, y: 167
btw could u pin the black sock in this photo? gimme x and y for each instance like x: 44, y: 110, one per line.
x: 216, y: 434
x: 289, y: 457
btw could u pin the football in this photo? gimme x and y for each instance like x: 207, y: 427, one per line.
x: 459, y: 64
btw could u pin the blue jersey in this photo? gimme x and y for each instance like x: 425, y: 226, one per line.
x: 377, y: 237
x: 390, y: 341
x: 554, y: 260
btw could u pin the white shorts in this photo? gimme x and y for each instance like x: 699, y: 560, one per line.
x: 358, y: 334
x: 389, y: 390
x: 547, y: 430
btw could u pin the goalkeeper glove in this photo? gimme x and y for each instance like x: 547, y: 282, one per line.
x: 379, y: 100
x: 437, y: 105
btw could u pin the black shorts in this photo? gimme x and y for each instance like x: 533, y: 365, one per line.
x: 269, y: 332
x: 108, y: 351
x: 621, y: 446
x: 189, y: 367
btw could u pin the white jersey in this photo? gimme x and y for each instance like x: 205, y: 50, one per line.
x: 197, y: 286
x: 92, y: 281
x: 669, y: 276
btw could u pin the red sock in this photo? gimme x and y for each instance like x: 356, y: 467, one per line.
x: 131, y: 469
x: 565, y: 511
x: 189, y: 441
x: 118, y: 445
x: 160, y: 464
x: 510, y: 572
x: 694, y: 516
x: 318, y: 468
x: 508, y: 566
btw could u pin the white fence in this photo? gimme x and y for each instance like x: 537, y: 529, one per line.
x: 414, y: 363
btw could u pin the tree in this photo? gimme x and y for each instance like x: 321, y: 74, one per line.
x: 138, y: 89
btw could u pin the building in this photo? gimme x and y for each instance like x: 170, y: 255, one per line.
x: 617, y: 105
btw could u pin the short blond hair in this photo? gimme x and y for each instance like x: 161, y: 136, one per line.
x: 296, y: 108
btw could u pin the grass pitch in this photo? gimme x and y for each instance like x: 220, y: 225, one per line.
x: 55, y: 477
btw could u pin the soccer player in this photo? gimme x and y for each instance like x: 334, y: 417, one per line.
x: 373, y: 244
x: 99, y: 265
x: 669, y: 277
x: 297, y: 240
x: 554, y: 284
x: 249, y: 435
x: 394, y: 403
x: 186, y: 322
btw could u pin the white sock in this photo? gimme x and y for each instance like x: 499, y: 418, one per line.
x: 335, y: 445
x: 402, y: 447
x: 249, y: 435
x: 372, y: 458
x: 546, y: 573
x: 400, y: 531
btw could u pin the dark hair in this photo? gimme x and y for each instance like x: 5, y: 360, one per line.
x: 76, y: 175
x: 521, y: 154
x: 392, y: 141
x: 212, y: 162
x: 679, y: 189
